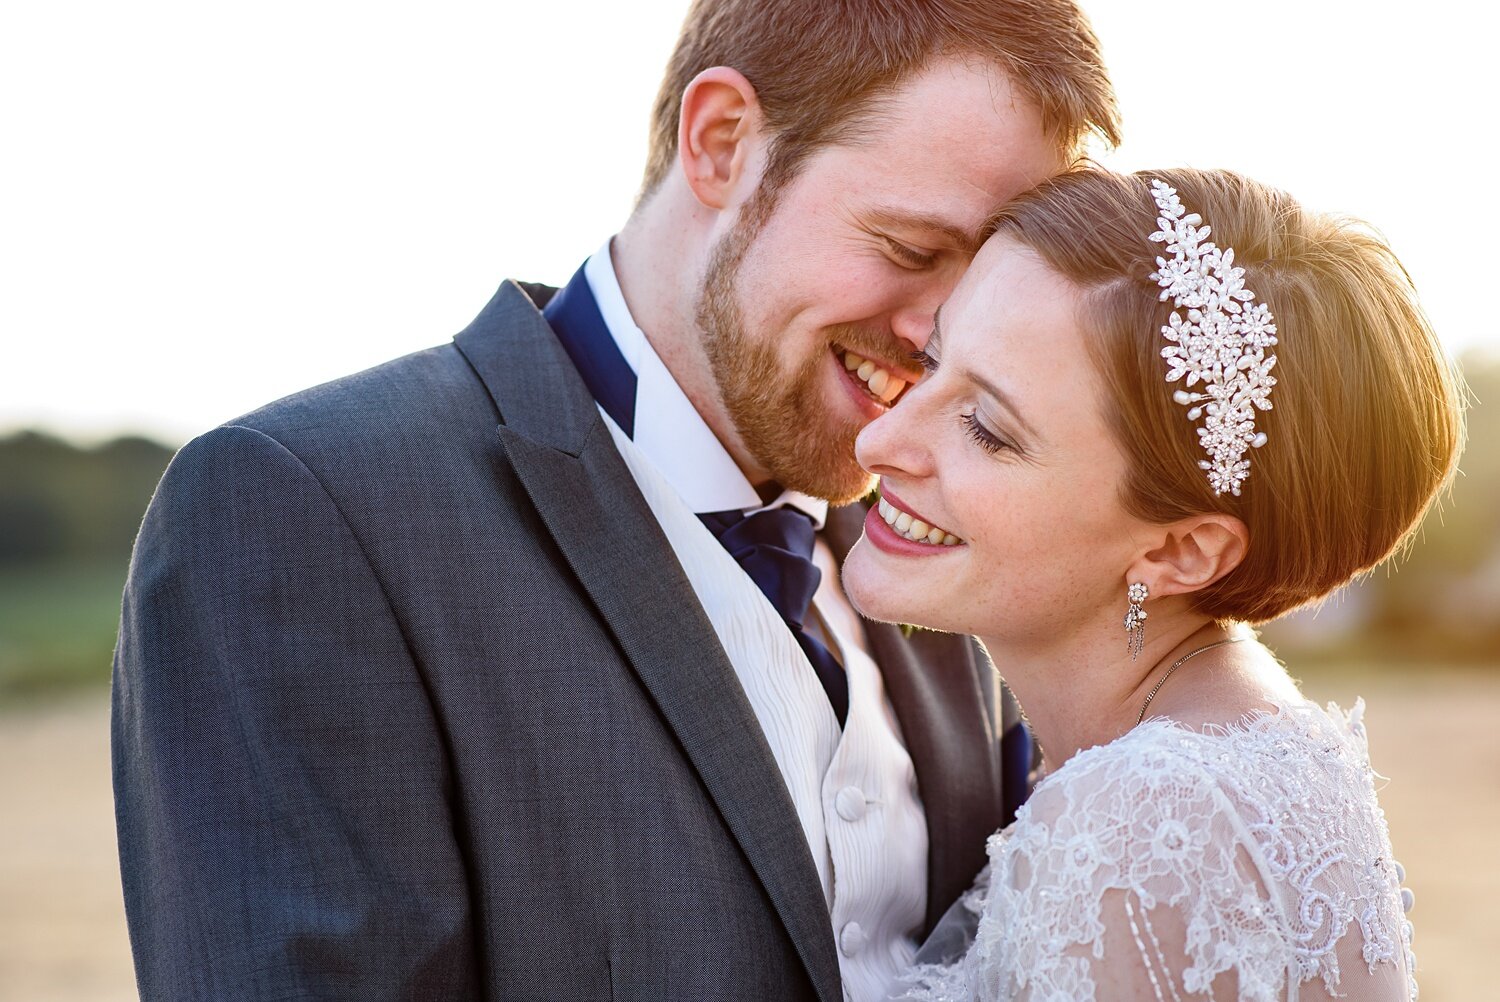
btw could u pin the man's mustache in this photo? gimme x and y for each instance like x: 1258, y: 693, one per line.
x: 876, y: 345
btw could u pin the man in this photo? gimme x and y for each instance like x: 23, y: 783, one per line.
x: 518, y: 668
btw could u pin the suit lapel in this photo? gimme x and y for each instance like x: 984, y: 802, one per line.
x: 564, y: 457
x: 947, y: 698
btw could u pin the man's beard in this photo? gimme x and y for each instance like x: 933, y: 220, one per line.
x: 782, y: 419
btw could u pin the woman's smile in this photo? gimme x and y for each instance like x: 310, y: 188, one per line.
x: 897, y: 528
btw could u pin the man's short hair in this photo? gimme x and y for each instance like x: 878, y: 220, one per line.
x: 818, y: 66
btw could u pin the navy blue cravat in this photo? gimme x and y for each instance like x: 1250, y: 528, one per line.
x: 773, y: 547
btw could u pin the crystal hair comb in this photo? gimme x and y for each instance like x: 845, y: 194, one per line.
x: 1219, y: 338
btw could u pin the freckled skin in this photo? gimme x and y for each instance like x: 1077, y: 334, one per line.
x: 952, y: 146
x: 1026, y: 571
x: 1048, y: 546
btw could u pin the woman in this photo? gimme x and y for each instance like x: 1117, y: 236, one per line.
x: 1101, y: 440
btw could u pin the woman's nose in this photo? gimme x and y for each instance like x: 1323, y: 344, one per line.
x: 892, y: 444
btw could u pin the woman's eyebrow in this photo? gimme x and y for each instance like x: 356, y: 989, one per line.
x: 1001, y: 397
x: 1005, y: 401
x: 937, y: 332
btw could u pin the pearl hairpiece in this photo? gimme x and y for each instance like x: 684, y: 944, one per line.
x: 1221, y: 343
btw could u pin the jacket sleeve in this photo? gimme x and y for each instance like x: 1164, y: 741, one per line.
x: 282, y: 790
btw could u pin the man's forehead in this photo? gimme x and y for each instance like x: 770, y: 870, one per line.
x: 963, y: 116
x: 949, y: 167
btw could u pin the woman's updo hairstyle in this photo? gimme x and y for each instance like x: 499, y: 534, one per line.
x: 1366, y: 420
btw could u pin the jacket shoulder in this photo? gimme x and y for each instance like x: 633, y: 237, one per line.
x: 400, y: 429
x: 407, y: 396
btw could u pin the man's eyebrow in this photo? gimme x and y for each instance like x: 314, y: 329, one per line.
x: 960, y: 238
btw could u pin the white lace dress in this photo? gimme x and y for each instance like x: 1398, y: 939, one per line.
x: 1249, y: 862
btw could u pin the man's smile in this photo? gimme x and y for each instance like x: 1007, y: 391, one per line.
x: 881, y: 382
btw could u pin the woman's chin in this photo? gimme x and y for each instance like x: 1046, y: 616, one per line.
x: 880, y: 594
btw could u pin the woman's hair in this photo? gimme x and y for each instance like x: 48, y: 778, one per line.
x: 1366, y: 420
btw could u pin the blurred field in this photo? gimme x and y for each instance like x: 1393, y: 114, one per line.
x: 1433, y: 732
x: 68, y: 515
x: 57, y: 626
x: 62, y: 922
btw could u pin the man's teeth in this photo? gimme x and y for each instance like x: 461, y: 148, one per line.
x: 915, y: 529
x: 881, y: 383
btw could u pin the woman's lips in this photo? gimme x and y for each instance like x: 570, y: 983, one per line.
x: 909, y: 523
x: 893, y: 527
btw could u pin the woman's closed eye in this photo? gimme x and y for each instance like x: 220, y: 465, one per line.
x: 989, y: 441
x: 992, y: 442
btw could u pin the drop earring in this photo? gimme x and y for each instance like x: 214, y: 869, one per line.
x: 1135, y: 619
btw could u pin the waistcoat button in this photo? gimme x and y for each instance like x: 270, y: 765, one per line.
x: 850, y: 803
x: 852, y: 939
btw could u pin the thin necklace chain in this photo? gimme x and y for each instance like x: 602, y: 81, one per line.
x: 1178, y: 664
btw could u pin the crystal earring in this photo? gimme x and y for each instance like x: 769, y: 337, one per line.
x: 1135, y: 619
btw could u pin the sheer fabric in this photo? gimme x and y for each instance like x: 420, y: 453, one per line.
x: 1248, y: 862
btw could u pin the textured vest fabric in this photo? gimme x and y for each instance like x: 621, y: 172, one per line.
x: 854, y: 789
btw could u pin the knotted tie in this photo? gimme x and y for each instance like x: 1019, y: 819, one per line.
x: 775, y: 548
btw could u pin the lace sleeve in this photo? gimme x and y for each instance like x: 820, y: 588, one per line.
x: 1174, y: 865
x: 1125, y: 874
x: 938, y: 973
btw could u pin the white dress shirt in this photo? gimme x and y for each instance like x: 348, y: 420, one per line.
x: 854, y: 789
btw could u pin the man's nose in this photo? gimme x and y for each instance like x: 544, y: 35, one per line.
x: 912, y: 319
x: 913, y: 323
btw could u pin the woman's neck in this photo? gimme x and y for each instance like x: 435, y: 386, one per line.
x: 1088, y: 691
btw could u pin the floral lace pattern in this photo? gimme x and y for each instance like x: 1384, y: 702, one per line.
x: 1233, y: 862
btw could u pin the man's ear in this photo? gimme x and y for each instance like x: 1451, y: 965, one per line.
x: 1193, y: 554
x: 718, y: 130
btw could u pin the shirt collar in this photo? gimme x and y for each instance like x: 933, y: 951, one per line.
x: 668, y: 429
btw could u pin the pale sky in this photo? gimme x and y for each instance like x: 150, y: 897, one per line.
x: 206, y: 206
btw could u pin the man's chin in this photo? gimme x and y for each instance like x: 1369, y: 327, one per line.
x: 806, y: 449
x: 837, y: 486
x: 828, y: 469
x: 852, y: 491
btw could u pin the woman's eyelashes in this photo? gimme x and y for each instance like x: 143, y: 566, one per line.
x: 987, y: 440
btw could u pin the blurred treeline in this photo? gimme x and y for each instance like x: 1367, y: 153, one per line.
x: 1440, y: 602
x: 68, y: 516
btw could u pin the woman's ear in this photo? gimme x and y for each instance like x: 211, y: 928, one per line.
x: 1194, y: 553
x: 719, y: 128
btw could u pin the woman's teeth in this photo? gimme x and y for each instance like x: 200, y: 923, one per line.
x: 884, y: 386
x: 915, y: 529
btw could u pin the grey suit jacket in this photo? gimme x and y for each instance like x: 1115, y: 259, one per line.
x: 412, y: 700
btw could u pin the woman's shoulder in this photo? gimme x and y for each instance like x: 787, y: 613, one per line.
x: 1282, y: 783
x: 1292, y: 743
x: 1170, y: 814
